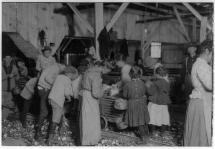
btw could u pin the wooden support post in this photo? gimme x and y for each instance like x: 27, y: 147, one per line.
x: 99, y: 24
x: 196, y: 14
x: 181, y: 23
x: 194, y: 30
x: 85, y: 22
x: 116, y: 16
x: 203, y: 29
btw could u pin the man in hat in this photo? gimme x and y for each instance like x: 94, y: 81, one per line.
x: 186, y: 70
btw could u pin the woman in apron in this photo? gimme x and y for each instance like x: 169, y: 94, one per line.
x: 199, y: 113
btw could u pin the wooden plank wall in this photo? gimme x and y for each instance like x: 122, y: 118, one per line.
x: 29, y: 18
x: 127, y: 28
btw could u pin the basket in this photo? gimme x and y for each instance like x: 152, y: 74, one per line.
x: 121, y: 125
x: 121, y: 104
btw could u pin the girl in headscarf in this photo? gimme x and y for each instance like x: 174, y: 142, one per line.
x: 158, y: 90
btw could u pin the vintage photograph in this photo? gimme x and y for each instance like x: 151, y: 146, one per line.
x: 107, y: 73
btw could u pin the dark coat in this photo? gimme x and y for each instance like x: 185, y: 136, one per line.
x: 159, y: 92
x: 124, y: 48
x: 104, y: 43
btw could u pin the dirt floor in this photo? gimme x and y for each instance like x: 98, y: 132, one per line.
x: 14, y: 135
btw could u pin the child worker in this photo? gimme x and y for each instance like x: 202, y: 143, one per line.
x: 158, y: 90
x: 61, y: 90
x: 137, y: 115
x: 45, y: 59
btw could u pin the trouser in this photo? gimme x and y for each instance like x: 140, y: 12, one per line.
x: 25, y: 110
x: 57, y: 112
x: 44, y: 106
x: 18, y: 101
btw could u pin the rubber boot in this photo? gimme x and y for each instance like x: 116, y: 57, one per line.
x: 52, y: 133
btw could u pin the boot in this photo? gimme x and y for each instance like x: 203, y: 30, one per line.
x: 52, y: 133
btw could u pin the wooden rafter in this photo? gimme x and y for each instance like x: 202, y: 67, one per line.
x: 203, y: 28
x: 179, y: 7
x: 154, y: 8
x: 85, y: 22
x: 198, y: 16
x: 194, y: 27
x: 116, y: 16
x: 181, y: 23
x: 162, y: 18
x: 99, y: 24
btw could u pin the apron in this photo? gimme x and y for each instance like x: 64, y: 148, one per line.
x: 208, y: 106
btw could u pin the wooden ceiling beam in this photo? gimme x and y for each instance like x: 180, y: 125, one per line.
x: 181, y: 23
x: 196, y: 13
x: 116, y: 15
x: 85, y: 22
x: 162, y: 19
x: 155, y: 8
x: 179, y: 7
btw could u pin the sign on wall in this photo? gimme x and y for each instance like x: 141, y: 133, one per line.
x: 156, y: 50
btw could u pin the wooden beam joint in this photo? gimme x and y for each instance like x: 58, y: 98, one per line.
x: 85, y: 22
x: 116, y: 16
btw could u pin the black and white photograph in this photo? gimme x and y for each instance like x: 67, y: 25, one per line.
x: 105, y: 73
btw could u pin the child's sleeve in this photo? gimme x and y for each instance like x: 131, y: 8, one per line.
x: 68, y: 90
x: 97, y: 87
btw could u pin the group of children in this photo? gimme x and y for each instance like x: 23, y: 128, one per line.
x: 51, y: 85
x: 148, y: 99
x: 56, y: 83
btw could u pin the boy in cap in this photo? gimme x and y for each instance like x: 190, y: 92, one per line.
x: 44, y: 86
x: 45, y: 60
x: 61, y: 90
